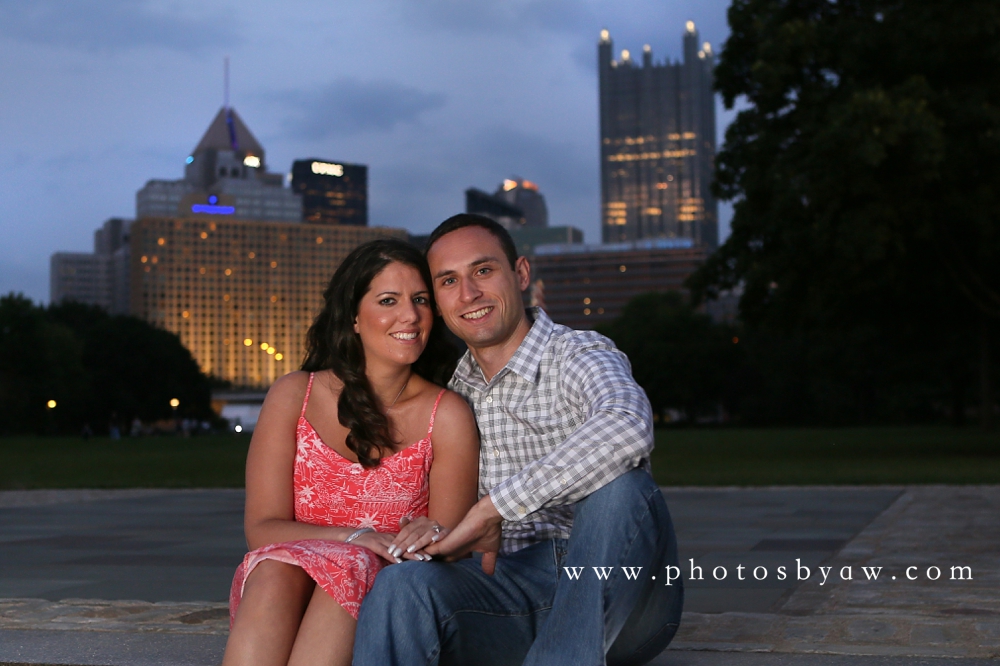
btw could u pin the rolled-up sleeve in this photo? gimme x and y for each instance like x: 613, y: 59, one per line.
x: 615, y: 436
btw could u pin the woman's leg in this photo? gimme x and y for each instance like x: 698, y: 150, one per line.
x: 326, y: 634
x: 274, y: 600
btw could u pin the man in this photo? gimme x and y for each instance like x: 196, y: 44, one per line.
x: 565, y: 439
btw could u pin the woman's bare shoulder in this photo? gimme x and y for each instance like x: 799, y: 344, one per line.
x: 454, y: 417
x: 292, y: 385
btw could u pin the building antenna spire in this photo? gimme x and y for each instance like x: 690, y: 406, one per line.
x: 230, y: 125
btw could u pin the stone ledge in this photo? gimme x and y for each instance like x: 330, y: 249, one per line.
x: 876, y: 634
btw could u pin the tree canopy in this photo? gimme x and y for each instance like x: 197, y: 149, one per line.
x: 97, y: 368
x: 864, y: 167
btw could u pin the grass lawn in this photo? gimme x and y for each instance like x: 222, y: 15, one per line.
x: 787, y: 456
x: 717, y: 456
x: 211, y: 461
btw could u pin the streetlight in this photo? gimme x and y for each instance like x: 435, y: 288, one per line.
x: 174, y: 402
x: 51, y: 404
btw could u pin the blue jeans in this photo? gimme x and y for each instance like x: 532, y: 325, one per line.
x: 531, y: 611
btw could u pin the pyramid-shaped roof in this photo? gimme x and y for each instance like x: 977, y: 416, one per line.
x: 226, y: 129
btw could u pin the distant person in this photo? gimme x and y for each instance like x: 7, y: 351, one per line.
x: 136, y: 428
x: 357, y: 462
x: 564, y: 485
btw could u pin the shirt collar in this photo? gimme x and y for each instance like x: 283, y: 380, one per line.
x: 525, y: 360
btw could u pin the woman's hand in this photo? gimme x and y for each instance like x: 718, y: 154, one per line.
x: 379, y: 543
x: 415, y: 534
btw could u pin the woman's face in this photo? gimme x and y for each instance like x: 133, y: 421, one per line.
x: 394, y: 318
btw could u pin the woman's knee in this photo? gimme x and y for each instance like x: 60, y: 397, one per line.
x: 272, y: 579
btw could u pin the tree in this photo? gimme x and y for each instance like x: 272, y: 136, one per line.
x: 865, y: 171
x: 134, y: 368
x: 97, y: 368
x: 681, y: 358
x: 39, y: 361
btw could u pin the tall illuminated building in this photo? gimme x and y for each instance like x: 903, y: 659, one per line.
x: 332, y: 192
x: 240, y: 294
x: 223, y: 259
x: 657, y: 144
x: 226, y: 170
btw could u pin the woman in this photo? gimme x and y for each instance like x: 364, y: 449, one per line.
x: 342, y: 477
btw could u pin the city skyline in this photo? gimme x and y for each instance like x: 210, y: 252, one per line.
x: 93, y: 116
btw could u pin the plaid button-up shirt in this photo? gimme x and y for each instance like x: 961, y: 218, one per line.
x: 561, y: 419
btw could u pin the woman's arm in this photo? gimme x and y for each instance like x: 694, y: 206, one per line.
x: 454, y: 475
x: 270, y: 510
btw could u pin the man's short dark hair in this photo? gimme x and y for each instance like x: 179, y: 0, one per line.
x: 463, y: 220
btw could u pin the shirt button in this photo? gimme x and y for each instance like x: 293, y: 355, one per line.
x: 496, y: 451
x: 562, y: 481
x: 489, y: 398
x: 521, y: 510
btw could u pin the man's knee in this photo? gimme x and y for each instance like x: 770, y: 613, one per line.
x: 632, y: 489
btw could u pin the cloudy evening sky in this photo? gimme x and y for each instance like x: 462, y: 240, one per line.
x: 99, y: 96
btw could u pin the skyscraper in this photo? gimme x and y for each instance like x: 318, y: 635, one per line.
x: 240, y: 294
x: 657, y: 144
x: 98, y: 278
x: 502, y: 211
x: 332, y: 192
x: 226, y: 174
x: 525, y: 195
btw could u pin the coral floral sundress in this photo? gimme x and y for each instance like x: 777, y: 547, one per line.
x: 332, y: 491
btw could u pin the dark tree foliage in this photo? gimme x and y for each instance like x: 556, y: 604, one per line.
x: 680, y: 357
x: 865, y: 174
x: 100, y: 369
x: 40, y: 360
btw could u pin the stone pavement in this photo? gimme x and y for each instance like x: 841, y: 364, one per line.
x: 141, y: 577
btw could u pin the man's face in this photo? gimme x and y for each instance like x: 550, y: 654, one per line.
x: 477, y: 292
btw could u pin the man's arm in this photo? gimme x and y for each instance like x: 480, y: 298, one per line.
x: 614, y: 438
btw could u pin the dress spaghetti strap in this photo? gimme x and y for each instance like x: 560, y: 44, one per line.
x: 309, y: 389
x: 430, y: 426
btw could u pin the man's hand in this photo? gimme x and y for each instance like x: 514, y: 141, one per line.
x: 478, y: 532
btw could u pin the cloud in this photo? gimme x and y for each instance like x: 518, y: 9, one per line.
x: 464, y: 16
x: 563, y: 167
x: 424, y: 187
x: 112, y: 25
x: 350, y: 106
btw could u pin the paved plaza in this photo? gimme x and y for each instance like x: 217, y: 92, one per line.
x: 142, y: 576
